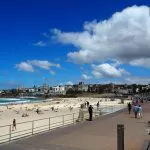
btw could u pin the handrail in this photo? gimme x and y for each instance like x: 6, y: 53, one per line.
x: 38, y: 119
x: 4, y: 126
x: 20, y: 131
x: 49, y: 125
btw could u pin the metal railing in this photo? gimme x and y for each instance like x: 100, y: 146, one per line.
x: 30, y: 128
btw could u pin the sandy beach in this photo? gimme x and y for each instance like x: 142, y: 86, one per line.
x: 61, y: 106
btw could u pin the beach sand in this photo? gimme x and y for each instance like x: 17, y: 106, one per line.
x: 61, y: 107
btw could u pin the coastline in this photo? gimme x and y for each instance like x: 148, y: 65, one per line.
x: 61, y: 107
x: 62, y: 104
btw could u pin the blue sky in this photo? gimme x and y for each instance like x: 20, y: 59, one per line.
x: 60, y: 42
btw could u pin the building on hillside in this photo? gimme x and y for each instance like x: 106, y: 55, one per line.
x: 93, y: 88
x: 82, y: 87
x: 124, y: 91
x: 147, y: 87
x: 57, y: 90
x: 44, y: 89
x: 68, y: 87
x: 32, y: 90
x: 101, y: 88
x: 75, y: 87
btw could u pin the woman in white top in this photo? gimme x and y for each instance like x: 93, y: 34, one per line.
x: 140, y: 111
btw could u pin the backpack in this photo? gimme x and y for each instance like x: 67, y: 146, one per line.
x: 137, y: 110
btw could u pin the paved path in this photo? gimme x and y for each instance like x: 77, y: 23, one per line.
x: 99, y: 134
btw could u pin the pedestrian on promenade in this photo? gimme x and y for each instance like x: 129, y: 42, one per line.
x: 14, y: 125
x: 140, y: 111
x: 81, y: 114
x: 87, y: 104
x: 135, y: 110
x: 129, y: 107
x: 90, y: 109
x: 97, y: 106
x: 141, y: 101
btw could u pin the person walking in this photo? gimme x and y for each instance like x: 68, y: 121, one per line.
x: 81, y: 114
x: 140, y: 111
x: 14, y: 125
x: 135, y: 110
x: 90, y: 109
x: 87, y: 104
x: 129, y: 107
x: 97, y: 106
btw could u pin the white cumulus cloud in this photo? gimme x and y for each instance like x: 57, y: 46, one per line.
x: 107, y: 70
x: 29, y: 65
x: 141, y: 62
x: 40, y: 44
x: 69, y: 83
x: 24, y: 66
x: 124, y: 37
x: 85, y: 77
x: 44, y: 64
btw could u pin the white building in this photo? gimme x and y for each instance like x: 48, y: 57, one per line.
x: 146, y: 87
x: 43, y: 89
x: 82, y: 87
x: 32, y: 90
x: 124, y: 91
x: 57, y: 90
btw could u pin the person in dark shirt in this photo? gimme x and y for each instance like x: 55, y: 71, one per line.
x: 98, y: 104
x: 90, y: 109
x: 135, y: 110
x: 88, y: 104
x: 14, y: 125
x: 129, y: 107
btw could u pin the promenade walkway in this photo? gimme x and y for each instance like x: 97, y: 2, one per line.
x: 100, y: 134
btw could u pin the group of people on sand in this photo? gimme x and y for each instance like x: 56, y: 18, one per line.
x: 137, y: 109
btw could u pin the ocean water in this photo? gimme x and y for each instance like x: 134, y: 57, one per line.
x: 6, y: 101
